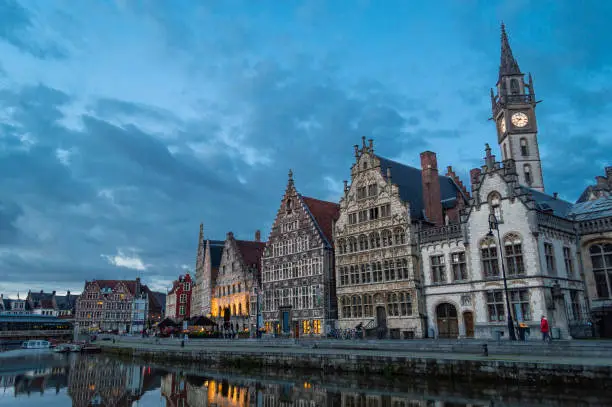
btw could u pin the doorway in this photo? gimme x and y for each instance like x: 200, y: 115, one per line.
x: 448, y: 324
x: 468, y: 324
x: 381, y: 322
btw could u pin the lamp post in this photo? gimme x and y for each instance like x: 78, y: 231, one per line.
x: 494, y: 224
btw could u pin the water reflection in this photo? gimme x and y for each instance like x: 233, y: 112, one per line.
x: 103, y: 381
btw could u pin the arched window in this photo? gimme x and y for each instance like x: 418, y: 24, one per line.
x: 514, y: 87
x: 495, y: 205
x: 386, y: 238
x: 488, y: 254
x: 524, y: 147
x: 527, y: 172
x: 399, y: 236
x: 601, y: 260
x: 289, y: 205
x: 239, y: 308
x: 342, y: 246
x: 367, y: 305
x: 357, y: 311
x: 513, y: 251
x: 374, y: 240
x: 363, y: 242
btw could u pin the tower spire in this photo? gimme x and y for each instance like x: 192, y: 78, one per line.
x: 508, y: 64
x: 200, y: 256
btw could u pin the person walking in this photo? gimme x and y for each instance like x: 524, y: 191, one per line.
x: 544, y: 328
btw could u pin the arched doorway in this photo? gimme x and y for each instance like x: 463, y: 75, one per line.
x: 468, y: 324
x: 448, y: 325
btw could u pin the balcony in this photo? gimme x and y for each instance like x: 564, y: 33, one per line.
x: 440, y: 233
x: 512, y: 99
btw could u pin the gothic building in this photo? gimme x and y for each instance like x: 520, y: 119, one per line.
x: 237, y: 277
x: 511, y: 232
x: 377, y: 258
x: 298, y: 280
x: 208, y: 260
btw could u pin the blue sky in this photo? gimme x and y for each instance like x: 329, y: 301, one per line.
x: 124, y: 124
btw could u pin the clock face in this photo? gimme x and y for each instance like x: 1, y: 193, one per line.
x: 502, y: 124
x: 520, y: 119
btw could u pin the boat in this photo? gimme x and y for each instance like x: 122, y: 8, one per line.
x: 62, y: 348
x: 75, y: 347
x: 91, y: 348
x: 36, y: 344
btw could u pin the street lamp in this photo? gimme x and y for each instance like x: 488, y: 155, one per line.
x: 494, y: 224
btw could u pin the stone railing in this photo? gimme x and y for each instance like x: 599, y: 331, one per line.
x: 595, y: 226
x: 440, y: 233
x: 555, y: 222
x: 504, y: 99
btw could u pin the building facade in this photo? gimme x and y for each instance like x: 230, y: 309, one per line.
x: 10, y: 306
x: 178, y: 299
x: 238, y: 275
x: 298, y: 281
x: 208, y: 260
x: 377, y: 258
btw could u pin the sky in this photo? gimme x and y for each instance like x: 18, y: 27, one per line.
x: 126, y: 123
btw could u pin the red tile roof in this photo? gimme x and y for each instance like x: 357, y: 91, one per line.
x: 324, y: 213
x: 251, y: 252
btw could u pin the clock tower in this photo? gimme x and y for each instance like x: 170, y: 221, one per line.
x: 514, y: 114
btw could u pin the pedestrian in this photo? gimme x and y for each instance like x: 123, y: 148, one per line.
x: 544, y: 328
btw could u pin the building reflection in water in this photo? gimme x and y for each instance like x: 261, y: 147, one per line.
x: 102, y: 381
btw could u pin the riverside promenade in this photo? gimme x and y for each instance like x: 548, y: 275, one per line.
x: 562, y: 362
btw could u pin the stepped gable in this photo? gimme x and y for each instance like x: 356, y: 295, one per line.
x: 410, y: 183
x: 324, y: 214
x: 251, y: 252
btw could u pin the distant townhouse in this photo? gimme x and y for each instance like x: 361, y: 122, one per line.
x: 178, y: 299
x: 42, y: 303
x: 237, y: 278
x: 121, y: 305
x: 9, y: 306
x: 298, y: 281
x: 208, y: 260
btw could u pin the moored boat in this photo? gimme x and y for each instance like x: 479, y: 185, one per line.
x: 62, y: 348
x: 36, y: 344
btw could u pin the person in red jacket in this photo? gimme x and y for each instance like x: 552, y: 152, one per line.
x: 544, y: 329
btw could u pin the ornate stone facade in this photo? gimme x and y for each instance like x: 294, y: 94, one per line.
x: 208, y: 260
x: 238, y: 276
x: 377, y: 258
x: 298, y: 281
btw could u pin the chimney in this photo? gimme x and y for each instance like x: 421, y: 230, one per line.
x: 601, y: 181
x: 431, y: 188
x: 41, y: 291
x: 475, y: 177
x: 53, y: 293
x: 68, y: 293
x: 608, y: 171
x: 555, y: 195
x: 258, y: 235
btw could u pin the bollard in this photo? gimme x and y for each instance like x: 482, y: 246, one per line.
x: 485, y: 350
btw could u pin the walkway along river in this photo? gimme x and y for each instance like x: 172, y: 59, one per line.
x: 580, y: 364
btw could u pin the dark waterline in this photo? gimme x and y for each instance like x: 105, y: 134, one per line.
x: 64, y: 380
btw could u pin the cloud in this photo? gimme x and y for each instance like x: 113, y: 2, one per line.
x: 121, y: 259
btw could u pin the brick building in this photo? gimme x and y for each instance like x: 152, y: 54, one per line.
x: 178, y: 299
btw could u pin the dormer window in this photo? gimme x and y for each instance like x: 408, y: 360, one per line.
x: 495, y: 205
x: 524, y: 147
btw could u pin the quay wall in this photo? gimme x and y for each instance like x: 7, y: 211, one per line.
x: 444, y: 366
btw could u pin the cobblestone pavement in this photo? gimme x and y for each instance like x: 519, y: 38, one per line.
x: 431, y: 349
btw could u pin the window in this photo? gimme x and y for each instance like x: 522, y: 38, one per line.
x: 513, y: 251
x: 488, y: 253
x: 601, y: 259
x: 316, y: 327
x: 405, y: 304
x: 569, y: 263
x: 186, y: 286
x: 372, y: 190
x: 459, y: 266
x: 495, y: 205
x: 357, y: 310
x: 438, y: 273
x: 524, y: 147
x: 361, y: 192
x: 354, y: 274
x: 363, y: 242
x: 386, y: 238
x: 182, y: 310
x: 385, y: 211
x: 367, y: 306
x: 344, y: 276
x: 401, y: 269
x: 346, y: 307
x: 527, y: 171
x: 399, y: 236
x: 373, y: 213
x: 183, y: 298
x: 377, y: 272
x: 365, y: 273
x: 519, y: 301
x: 495, y: 305
x: 505, y: 153
x: 352, y: 218
x: 374, y: 240
x: 576, y: 308
x: 289, y: 205
x: 549, y: 254
x: 514, y: 87
x: 363, y: 215
x: 393, y: 305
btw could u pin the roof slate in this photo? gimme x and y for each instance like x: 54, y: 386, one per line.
x: 324, y: 214
x: 251, y: 252
x: 546, y: 202
x: 595, y: 209
x: 410, y: 183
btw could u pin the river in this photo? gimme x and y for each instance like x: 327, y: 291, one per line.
x: 100, y: 380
